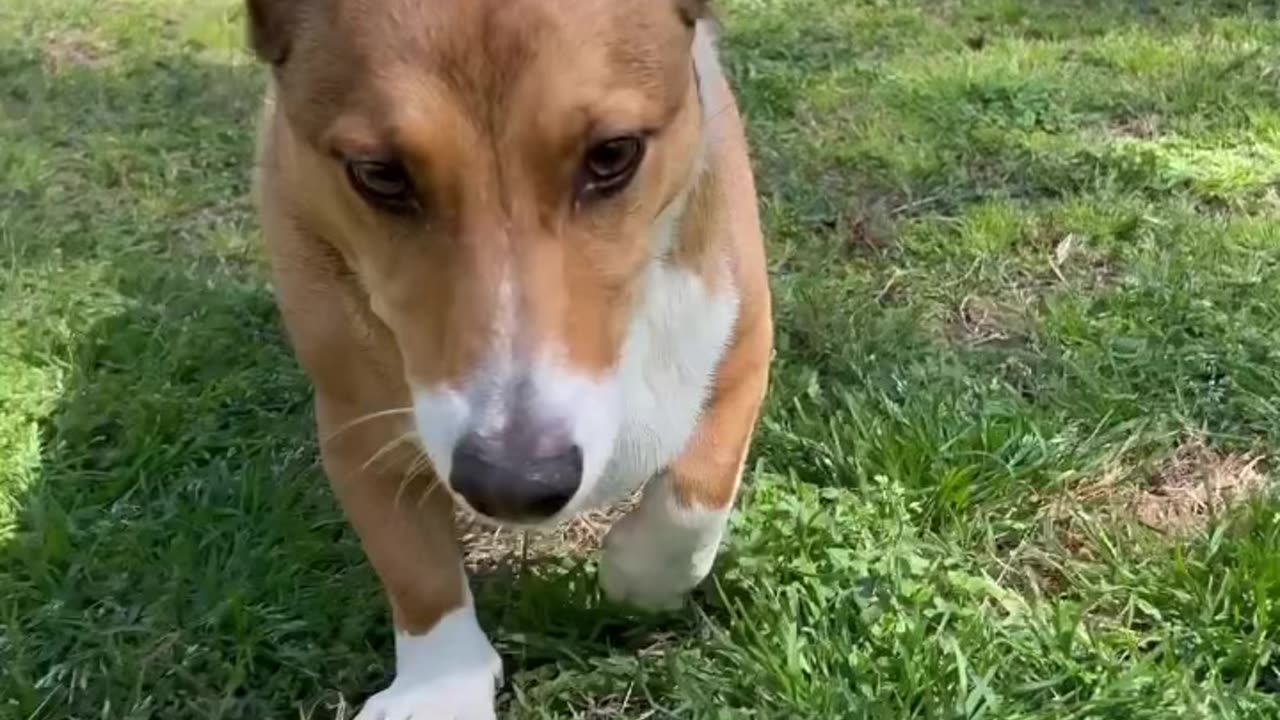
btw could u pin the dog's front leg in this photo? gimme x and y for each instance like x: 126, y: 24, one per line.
x: 661, y: 550
x: 445, y: 666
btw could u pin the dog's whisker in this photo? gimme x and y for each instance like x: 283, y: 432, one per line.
x: 364, y: 419
x: 420, y: 463
x: 431, y: 489
x: 405, y: 479
x: 391, y: 445
x: 412, y: 470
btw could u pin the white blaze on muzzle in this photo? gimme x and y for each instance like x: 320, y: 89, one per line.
x: 518, y: 410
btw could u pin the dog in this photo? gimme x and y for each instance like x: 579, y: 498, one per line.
x: 516, y: 248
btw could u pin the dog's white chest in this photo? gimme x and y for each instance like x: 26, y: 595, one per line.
x: 673, y: 349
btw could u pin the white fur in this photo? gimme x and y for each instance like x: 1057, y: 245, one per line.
x: 712, y: 86
x: 589, y: 408
x: 660, y: 551
x: 593, y: 410
x: 445, y: 413
x: 706, y: 58
x: 450, y: 673
x: 669, y: 361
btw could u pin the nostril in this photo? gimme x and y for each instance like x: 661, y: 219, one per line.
x: 559, y: 470
x: 552, y: 481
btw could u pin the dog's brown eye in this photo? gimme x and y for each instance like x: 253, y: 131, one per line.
x: 383, y: 183
x: 610, y: 165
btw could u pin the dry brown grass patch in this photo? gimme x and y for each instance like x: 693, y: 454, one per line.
x: 489, y: 548
x: 1181, y: 496
x: 1177, y: 498
x: 1194, y: 485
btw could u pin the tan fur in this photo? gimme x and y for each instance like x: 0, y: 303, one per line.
x: 491, y: 105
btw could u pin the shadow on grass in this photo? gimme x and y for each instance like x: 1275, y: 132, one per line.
x: 178, y: 552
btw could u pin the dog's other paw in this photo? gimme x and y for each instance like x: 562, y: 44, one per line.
x: 466, y: 696
x: 450, y: 673
x: 654, y: 557
x: 636, y: 575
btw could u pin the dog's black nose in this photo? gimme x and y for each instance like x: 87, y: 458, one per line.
x: 507, y: 479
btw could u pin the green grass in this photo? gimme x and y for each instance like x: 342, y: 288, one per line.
x: 1022, y: 250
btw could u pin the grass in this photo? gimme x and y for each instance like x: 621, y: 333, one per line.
x: 1027, y: 264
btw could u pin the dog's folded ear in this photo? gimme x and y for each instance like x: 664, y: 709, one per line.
x: 691, y: 11
x: 271, y: 25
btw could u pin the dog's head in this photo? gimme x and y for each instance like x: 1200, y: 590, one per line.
x: 497, y: 175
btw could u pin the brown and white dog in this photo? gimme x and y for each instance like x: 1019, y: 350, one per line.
x: 519, y: 238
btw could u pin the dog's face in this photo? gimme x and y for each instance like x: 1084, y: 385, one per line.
x: 498, y: 175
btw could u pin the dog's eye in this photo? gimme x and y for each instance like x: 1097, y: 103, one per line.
x: 385, y: 184
x: 610, y: 165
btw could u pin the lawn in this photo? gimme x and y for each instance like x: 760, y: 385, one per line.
x: 1017, y: 462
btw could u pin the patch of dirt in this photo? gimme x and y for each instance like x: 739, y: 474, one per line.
x: 1176, y: 498
x: 1194, y: 485
x: 73, y: 49
x: 1184, y: 492
x: 489, y: 548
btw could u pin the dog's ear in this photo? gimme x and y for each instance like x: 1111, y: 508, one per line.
x: 691, y: 11
x: 271, y: 25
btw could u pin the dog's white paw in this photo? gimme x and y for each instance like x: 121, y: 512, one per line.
x: 656, y: 555
x: 466, y: 696
x: 449, y: 673
x: 635, y: 571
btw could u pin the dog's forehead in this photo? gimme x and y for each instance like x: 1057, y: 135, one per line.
x: 477, y: 54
